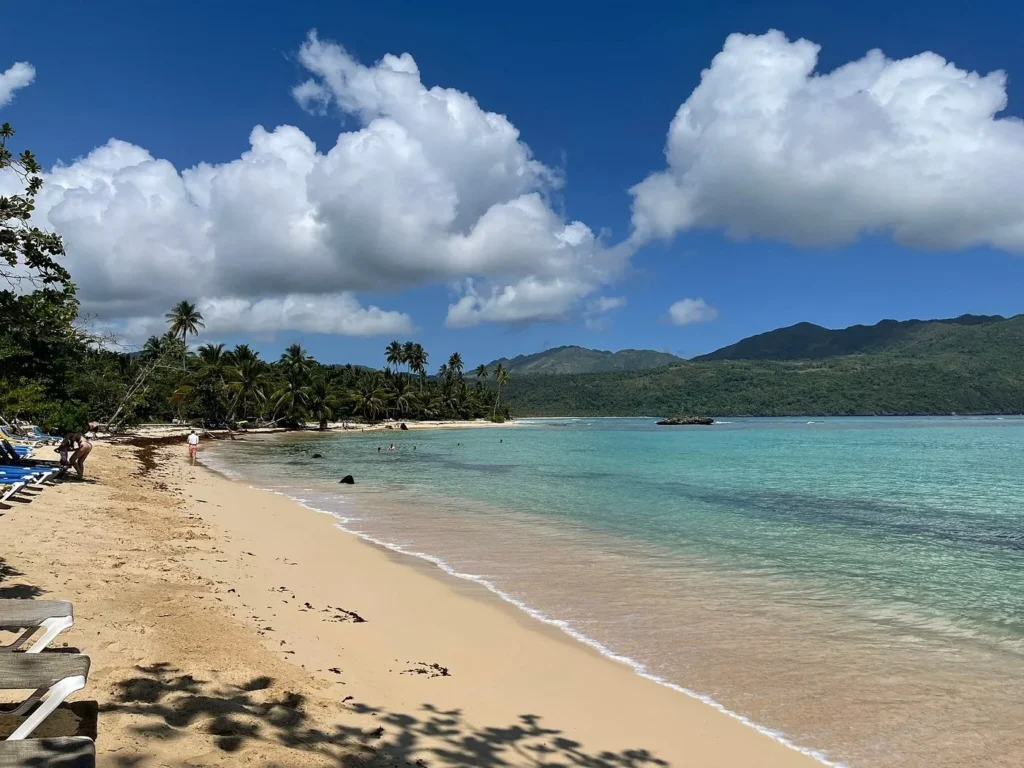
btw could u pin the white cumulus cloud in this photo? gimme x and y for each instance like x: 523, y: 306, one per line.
x: 427, y: 187
x: 18, y: 75
x: 686, y: 311
x: 766, y: 146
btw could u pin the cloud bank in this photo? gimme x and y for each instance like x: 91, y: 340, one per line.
x: 428, y: 187
x: 767, y: 147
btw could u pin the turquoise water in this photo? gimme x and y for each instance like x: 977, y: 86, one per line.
x: 770, y: 564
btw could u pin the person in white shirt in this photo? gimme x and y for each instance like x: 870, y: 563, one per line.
x: 193, y: 446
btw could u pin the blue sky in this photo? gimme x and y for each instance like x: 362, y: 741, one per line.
x: 591, y: 91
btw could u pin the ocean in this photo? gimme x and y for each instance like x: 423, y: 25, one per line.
x: 853, y: 587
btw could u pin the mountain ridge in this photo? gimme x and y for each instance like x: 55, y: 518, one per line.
x: 973, y: 366
x: 808, y: 341
x: 571, y: 358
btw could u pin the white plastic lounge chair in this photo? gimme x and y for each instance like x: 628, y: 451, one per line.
x: 9, y: 489
x: 66, y: 752
x: 30, y: 616
x: 51, y: 677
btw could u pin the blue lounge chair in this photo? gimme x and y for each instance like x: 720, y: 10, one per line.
x: 37, y: 432
x: 36, y: 475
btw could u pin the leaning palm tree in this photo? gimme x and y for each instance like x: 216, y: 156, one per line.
x: 501, y: 377
x: 184, y: 320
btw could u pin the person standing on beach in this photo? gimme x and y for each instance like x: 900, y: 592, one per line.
x: 83, y: 447
x: 193, y: 446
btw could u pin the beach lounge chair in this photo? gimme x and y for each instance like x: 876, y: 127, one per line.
x: 19, y: 438
x: 30, y: 616
x: 15, y: 452
x: 34, y: 475
x: 69, y: 752
x: 9, y: 489
x: 51, y: 677
x: 39, y: 434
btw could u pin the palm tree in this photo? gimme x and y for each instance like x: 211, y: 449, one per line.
x: 408, y: 354
x: 501, y: 377
x: 455, y: 365
x: 481, y: 374
x: 418, y: 363
x: 212, y: 355
x: 242, y: 353
x: 247, y: 384
x: 320, y: 401
x: 296, y: 363
x: 442, y: 372
x: 185, y: 319
x: 291, y: 401
x: 368, y: 397
x: 152, y: 349
x: 394, y: 353
x: 402, y: 396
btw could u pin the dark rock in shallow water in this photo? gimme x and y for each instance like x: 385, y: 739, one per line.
x: 318, y: 455
x: 685, y: 421
x: 348, y: 480
x: 402, y: 426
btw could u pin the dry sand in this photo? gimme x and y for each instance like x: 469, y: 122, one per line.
x: 232, y: 626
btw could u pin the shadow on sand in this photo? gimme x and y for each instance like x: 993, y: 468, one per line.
x: 236, y: 715
x: 16, y: 591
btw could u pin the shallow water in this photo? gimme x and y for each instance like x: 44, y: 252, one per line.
x: 854, y: 585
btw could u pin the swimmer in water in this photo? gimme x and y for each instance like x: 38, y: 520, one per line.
x: 378, y: 449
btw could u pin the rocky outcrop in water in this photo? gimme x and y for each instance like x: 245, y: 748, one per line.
x: 348, y: 480
x: 686, y: 421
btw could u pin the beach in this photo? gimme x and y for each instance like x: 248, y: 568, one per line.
x: 229, y: 625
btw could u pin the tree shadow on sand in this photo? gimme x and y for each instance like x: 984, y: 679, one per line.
x: 234, y: 716
x: 16, y: 591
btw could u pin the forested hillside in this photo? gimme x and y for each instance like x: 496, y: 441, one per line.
x: 807, y: 341
x: 582, y: 360
x: 940, y: 368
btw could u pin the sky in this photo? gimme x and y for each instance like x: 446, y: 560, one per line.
x: 499, y: 180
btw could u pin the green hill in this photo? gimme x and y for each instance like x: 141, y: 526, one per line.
x: 562, y: 360
x: 807, y: 341
x: 937, y: 367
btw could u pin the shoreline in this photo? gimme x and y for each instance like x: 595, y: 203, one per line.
x: 229, y: 624
x: 437, y: 568
x: 533, y: 614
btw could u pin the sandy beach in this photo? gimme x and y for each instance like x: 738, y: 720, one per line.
x: 229, y: 625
